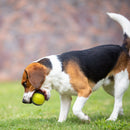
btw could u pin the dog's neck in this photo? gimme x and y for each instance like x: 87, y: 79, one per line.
x: 57, y: 79
x: 52, y: 77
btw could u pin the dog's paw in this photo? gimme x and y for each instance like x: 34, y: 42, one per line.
x: 111, y: 119
x: 121, y: 112
x: 61, y: 120
x: 86, y: 119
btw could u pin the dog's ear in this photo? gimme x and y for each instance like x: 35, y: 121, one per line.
x: 36, y: 74
x: 24, y: 78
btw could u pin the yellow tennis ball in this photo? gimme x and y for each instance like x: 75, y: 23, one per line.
x: 38, y: 99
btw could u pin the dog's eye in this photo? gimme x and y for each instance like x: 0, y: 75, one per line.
x: 24, y: 84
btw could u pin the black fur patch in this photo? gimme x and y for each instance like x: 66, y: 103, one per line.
x: 46, y: 62
x: 96, y: 62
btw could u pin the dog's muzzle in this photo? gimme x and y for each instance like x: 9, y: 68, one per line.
x: 27, y: 97
x: 24, y: 101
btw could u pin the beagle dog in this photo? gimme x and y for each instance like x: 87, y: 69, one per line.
x: 80, y: 73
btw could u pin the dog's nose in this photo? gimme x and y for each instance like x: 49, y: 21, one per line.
x: 24, y: 101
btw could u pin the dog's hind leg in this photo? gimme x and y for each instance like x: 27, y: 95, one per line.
x: 109, y: 88
x: 121, y: 85
x: 65, y: 106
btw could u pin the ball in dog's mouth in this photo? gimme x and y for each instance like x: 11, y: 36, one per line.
x: 38, y: 98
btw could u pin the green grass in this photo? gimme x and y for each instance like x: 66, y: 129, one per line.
x: 17, y: 116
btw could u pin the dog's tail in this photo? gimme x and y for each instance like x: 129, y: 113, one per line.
x: 125, y: 24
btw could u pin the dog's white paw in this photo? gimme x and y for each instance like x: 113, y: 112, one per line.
x: 111, y: 119
x: 61, y: 120
x: 86, y: 119
x: 121, y: 112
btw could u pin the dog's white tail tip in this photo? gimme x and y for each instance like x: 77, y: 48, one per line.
x: 123, y: 21
x: 109, y: 14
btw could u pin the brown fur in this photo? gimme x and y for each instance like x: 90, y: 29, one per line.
x: 128, y: 43
x: 128, y: 67
x: 29, y: 87
x: 78, y: 80
x: 34, y: 76
x: 121, y: 64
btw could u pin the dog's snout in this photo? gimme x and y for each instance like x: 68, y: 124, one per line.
x: 26, y: 102
x: 27, y: 98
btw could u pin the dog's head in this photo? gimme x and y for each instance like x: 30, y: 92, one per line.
x: 33, y: 77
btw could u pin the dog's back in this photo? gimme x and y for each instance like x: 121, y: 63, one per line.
x: 96, y: 62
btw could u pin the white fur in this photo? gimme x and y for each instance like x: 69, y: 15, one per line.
x: 77, y: 108
x: 57, y: 79
x: 124, y: 22
x: 121, y: 85
x: 27, y: 96
x: 65, y: 106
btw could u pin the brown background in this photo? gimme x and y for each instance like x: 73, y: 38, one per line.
x: 31, y: 29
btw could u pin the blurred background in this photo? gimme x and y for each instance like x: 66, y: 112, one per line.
x: 31, y: 29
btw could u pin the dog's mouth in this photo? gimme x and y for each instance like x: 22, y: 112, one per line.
x: 27, y: 99
x: 42, y: 92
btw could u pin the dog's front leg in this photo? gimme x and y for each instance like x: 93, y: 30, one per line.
x: 65, y: 106
x: 77, y: 108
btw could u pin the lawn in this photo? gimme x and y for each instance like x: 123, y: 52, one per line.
x: 17, y: 116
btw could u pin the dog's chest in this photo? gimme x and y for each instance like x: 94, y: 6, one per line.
x: 60, y: 81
